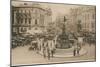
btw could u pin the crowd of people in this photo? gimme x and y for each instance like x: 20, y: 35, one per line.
x: 45, y: 46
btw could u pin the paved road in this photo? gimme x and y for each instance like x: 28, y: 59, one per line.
x: 22, y: 56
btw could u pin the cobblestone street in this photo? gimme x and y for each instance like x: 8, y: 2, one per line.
x: 22, y: 56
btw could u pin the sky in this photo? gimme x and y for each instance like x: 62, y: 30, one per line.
x: 59, y: 9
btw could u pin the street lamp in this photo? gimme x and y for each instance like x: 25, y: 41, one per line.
x: 79, y: 26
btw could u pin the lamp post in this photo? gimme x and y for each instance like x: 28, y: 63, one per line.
x: 79, y: 26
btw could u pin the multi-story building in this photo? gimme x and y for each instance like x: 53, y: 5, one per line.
x: 26, y: 16
x: 86, y: 16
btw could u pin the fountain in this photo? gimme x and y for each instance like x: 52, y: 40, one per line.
x: 63, y: 38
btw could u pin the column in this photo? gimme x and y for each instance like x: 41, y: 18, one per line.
x: 14, y: 18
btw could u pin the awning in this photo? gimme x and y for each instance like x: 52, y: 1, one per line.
x: 34, y: 31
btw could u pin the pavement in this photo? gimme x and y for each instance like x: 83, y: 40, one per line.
x: 22, y: 56
x: 61, y: 53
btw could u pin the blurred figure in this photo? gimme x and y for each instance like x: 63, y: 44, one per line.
x: 44, y: 49
x: 75, y: 47
x: 48, y: 51
x: 78, y: 50
x: 80, y: 41
x: 74, y: 52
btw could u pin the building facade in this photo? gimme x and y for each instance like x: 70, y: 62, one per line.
x: 86, y: 16
x: 26, y: 16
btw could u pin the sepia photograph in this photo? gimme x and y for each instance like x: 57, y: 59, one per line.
x: 52, y: 33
